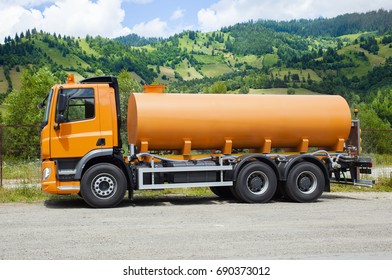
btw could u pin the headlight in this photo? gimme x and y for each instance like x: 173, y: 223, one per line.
x: 46, y: 173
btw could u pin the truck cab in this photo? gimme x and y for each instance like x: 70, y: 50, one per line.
x: 80, y: 127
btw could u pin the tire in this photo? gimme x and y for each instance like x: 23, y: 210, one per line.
x: 223, y: 192
x: 305, y: 182
x: 256, y: 182
x: 103, y: 185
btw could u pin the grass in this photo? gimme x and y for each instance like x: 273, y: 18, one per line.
x: 85, y: 47
x: 136, y: 77
x: 252, y: 60
x: 375, y: 60
x: 165, y: 71
x: 181, y: 192
x: 299, y: 91
x: 206, y: 59
x: 16, y: 77
x: 382, y: 185
x: 3, y: 81
x: 213, y: 65
x: 17, y: 170
x: 213, y: 70
x: 270, y: 60
x: 379, y: 159
x: 186, y: 43
x: 24, y: 194
x: 34, y: 194
x: 30, y: 195
x: 302, y: 73
x: 352, y: 37
x: 363, y: 67
x: 70, y: 60
x: 187, y: 72
x: 385, y: 51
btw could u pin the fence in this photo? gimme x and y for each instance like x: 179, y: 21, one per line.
x: 20, y: 162
x: 377, y: 144
x: 19, y: 155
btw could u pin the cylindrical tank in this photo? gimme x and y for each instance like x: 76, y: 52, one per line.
x: 224, y: 122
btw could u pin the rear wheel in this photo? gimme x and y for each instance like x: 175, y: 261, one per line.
x: 103, y: 185
x: 256, y: 182
x: 305, y: 182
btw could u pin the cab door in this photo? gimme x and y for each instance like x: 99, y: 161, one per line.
x: 79, y: 131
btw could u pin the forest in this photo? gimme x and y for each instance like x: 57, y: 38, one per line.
x: 349, y: 55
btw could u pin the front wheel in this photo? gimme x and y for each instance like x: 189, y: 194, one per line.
x: 103, y: 185
x: 305, y: 182
x: 256, y: 182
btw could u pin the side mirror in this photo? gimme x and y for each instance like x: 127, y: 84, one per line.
x: 40, y: 105
x: 61, y: 103
x: 61, y: 107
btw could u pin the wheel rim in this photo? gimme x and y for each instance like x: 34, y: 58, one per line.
x: 306, y: 182
x: 104, y: 186
x: 257, y: 182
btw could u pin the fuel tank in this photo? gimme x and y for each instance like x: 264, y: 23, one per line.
x: 186, y: 122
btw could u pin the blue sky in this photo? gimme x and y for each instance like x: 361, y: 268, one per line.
x: 140, y: 12
x: 161, y: 18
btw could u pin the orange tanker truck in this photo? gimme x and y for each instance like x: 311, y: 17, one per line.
x: 246, y: 147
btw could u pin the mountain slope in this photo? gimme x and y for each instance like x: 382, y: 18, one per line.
x: 320, y: 55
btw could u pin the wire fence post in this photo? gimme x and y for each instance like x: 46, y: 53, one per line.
x: 1, y: 156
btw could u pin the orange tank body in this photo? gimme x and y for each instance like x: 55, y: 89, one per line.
x: 186, y: 122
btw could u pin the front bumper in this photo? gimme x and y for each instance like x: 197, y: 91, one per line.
x: 50, y: 182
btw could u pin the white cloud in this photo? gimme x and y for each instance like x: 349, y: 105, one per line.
x: 12, y: 23
x: 66, y: 17
x: 177, y: 14
x: 106, y: 17
x: 229, y: 12
x: 24, y: 2
x: 78, y: 18
x: 152, y: 28
x: 101, y: 18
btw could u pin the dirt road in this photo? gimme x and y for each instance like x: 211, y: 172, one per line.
x: 338, y: 226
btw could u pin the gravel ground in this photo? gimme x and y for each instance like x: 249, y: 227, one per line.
x: 338, y: 226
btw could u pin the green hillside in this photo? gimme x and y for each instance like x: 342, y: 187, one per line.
x: 322, y: 55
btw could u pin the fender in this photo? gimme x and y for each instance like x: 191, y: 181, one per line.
x: 89, y: 156
x: 285, y: 167
x: 118, y: 160
x: 246, y: 159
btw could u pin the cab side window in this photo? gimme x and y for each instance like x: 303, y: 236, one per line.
x: 80, y: 104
